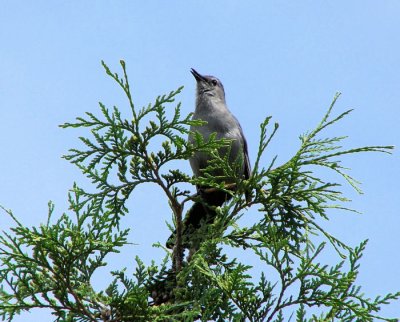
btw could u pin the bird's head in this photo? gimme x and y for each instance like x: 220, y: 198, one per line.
x: 208, y: 86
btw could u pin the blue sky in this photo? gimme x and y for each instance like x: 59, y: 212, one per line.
x: 281, y: 58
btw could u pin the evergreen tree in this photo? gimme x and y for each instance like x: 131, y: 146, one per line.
x: 52, y: 265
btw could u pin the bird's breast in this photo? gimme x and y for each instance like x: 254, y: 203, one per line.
x: 200, y: 160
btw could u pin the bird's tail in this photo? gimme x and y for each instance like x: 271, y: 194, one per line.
x: 201, y: 212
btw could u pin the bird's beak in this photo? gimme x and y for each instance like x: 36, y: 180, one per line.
x: 196, y: 75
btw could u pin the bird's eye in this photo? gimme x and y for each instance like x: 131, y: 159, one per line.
x: 214, y: 82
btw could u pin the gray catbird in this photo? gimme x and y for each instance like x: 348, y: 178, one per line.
x: 211, y: 107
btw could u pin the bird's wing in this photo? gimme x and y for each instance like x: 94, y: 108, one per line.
x: 247, y: 167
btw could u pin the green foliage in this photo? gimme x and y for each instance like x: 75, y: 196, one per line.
x: 52, y: 265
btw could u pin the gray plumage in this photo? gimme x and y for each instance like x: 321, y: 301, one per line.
x: 211, y: 107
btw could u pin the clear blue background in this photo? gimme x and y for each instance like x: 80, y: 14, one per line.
x: 281, y: 58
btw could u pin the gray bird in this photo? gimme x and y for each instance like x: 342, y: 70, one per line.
x: 211, y: 107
